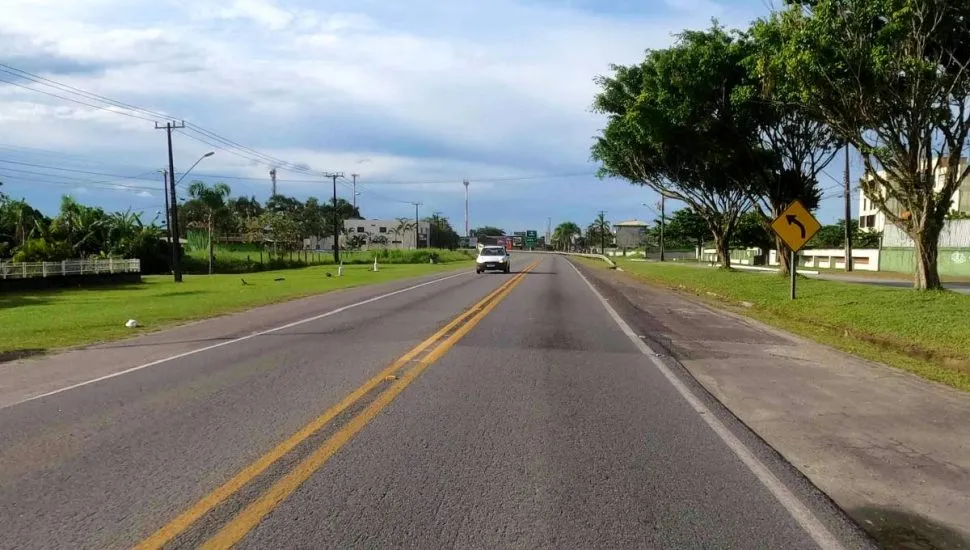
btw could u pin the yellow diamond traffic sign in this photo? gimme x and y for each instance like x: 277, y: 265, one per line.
x: 796, y: 225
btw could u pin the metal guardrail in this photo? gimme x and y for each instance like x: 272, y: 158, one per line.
x: 30, y: 270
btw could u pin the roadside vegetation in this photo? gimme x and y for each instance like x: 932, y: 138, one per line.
x: 224, y: 234
x: 736, y: 122
x: 923, y: 332
x: 35, y: 322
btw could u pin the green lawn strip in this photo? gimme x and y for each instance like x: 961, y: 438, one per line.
x: 52, y: 319
x: 920, y: 332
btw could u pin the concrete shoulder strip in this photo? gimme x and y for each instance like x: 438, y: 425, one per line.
x: 237, y: 340
x: 798, y: 511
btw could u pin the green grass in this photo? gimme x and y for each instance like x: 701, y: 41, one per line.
x: 922, y: 332
x: 245, y: 258
x: 37, y: 321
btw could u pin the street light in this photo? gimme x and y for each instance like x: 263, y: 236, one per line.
x: 209, y: 154
x: 174, y: 240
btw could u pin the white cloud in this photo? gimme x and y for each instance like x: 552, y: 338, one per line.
x: 426, y: 90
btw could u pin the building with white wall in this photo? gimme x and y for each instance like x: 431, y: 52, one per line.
x: 375, y: 234
x: 871, y: 219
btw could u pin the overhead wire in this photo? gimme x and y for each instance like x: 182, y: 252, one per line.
x: 212, y: 139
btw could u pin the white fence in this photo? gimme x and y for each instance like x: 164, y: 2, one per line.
x: 863, y: 259
x: 955, y: 234
x: 29, y: 270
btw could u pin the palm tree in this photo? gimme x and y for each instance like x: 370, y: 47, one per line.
x: 562, y: 237
x: 213, y: 200
x: 404, y: 225
x: 599, y: 232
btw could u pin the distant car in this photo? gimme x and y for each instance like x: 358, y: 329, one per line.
x: 493, y: 258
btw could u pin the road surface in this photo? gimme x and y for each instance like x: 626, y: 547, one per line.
x: 482, y: 411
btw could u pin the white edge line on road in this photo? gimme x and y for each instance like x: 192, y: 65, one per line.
x: 798, y: 511
x: 235, y: 340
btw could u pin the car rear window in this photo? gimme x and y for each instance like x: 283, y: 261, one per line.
x: 492, y: 252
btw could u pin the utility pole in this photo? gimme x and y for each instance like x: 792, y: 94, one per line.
x: 416, y: 222
x: 465, y: 183
x: 336, y: 216
x: 603, y: 232
x: 168, y: 215
x: 175, y: 242
x: 272, y: 177
x: 548, y: 231
x: 663, y: 222
x: 355, y: 176
x: 848, y: 214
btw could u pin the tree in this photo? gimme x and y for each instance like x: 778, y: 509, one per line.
x: 752, y: 232
x: 315, y: 219
x: 243, y: 209
x: 442, y: 234
x: 82, y: 227
x: 833, y: 236
x: 283, y: 204
x: 681, y: 123
x: 403, y: 227
x: 797, y: 146
x: 213, y: 201
x: 600, y: 233
x: 892, y: 78
x: 487, y: 231
x: 564, y: 235
x: 687, y: 226
x: 284, y: 229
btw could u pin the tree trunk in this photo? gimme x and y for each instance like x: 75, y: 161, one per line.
x: 211, y: 252
x: 926, y: 249
x: 723, y: 250
x: 784, y: 258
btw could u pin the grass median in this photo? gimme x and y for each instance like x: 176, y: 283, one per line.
x: 38, y: 321
x: 922, y: 332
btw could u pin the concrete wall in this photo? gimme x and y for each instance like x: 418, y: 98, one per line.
x: 951, y: 261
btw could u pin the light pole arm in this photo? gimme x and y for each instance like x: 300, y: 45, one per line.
x: 209, y: 154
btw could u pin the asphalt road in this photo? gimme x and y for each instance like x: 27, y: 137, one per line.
x: 532, y: 421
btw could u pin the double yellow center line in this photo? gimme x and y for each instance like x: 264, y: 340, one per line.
x: 421, y: 357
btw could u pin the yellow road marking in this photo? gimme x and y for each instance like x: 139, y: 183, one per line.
x: 252, y: 515
x: 185, y: 520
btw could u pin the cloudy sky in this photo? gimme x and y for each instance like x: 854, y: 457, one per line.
x: 413, y: 96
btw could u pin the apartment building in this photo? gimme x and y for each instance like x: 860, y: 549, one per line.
x: 872, y: 219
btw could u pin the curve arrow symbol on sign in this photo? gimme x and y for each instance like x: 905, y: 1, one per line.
x: 793, y: 220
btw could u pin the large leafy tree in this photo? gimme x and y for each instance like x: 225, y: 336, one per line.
x: 681, y: 123
x: 213, y: 201
x: 687, y: 226
x: 442, y: 234
x: 892, y: 78
x: 797, y: 145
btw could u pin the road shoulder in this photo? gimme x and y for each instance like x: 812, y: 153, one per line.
x: 891, y: 449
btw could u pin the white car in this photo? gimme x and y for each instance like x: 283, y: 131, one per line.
x: 493, y: 258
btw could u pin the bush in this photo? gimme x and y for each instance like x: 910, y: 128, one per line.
x: 42, y: 250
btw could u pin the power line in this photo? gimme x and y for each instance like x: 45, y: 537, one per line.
x: 13, y: 179
x: 133, y: 111
x: 106, y: 109
x: 71, y: 170
x: 26, y: 75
